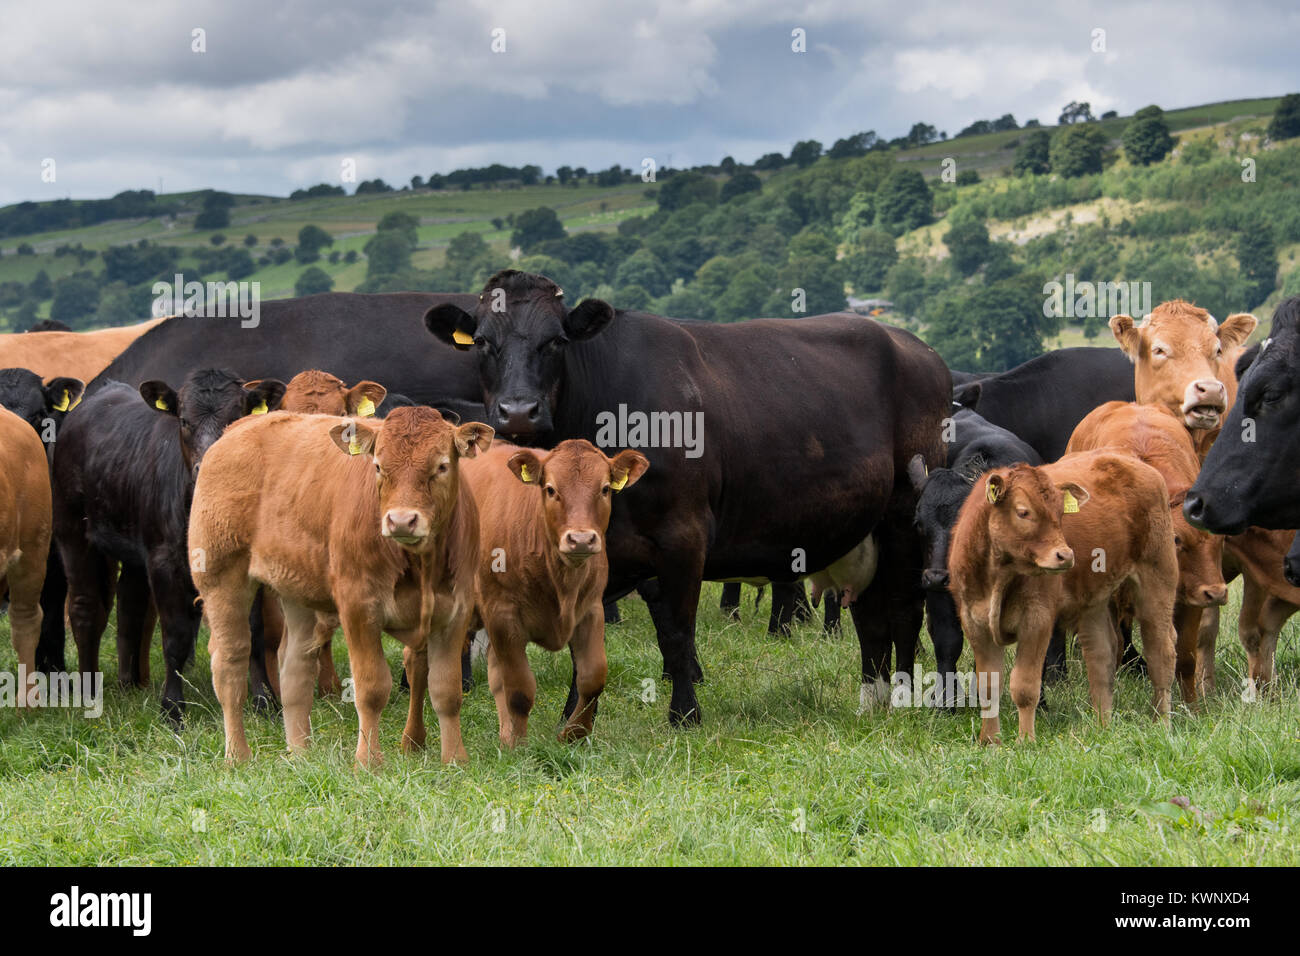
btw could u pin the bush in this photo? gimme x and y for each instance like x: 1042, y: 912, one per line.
x: 1286, y: 118
x: 313, y: 281
x: 1077, y: 150
x: 534, y: 226
x: 1146, y: 139
x: 904, y: 201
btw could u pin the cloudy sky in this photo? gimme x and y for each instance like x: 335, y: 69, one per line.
x: 286, y: 90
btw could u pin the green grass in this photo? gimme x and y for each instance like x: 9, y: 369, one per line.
x: 781, y: 739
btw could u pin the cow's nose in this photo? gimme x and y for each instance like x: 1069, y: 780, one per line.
x: 581, y: 541
x: 401, y: 523
x: 1065, y: 557
x: 1210, y: 390
x: 518, y: 415
x: 1216, y: 594
x: 934, y: 579
x: 1194, y: 508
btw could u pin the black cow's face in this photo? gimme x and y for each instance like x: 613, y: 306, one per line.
x: 519, y: 331
x: 208, y: 401
x: 943, y: 492
x: 41, y: 406
x: 1249, y: 476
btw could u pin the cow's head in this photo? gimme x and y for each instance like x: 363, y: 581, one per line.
x: 942, y: 493
x: 520, y: 330
x: 1025, y: 512
x: 1200, y: 560
x: 208, y: 401
x: 416, y: 454
x: 319, y: 393
x: 576, y: 482
x: 1179, y: 354
x: 42, y: 405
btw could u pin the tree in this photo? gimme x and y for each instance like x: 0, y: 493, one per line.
x: 994, y: 328
x: 643, y: 268
x: 217, y: 239
x: 535, y: 226
x: 746, y: 293
x: 564, y: 174
x: 728, y: 165
x: 40, y: 288
x: 403, y: 223
x: 313, y: 281
x: 1004, y: 122
x: 1033, y: 152
x: 76, y: 297
x: 1257, y: 256
x: 769, y: 161
x: 311, y: 239
x: 1077, y: 150
x: 498, y: 224
x: 240, y: 264
x: 869, y: 258
x: 685, y: 188
x: 905, y: 285
x: 921, y: 133
x: 1146, y: 139
x: 215, y: 213
x: 632, y: 297
x: 740, y: 184
x: 968, y: 245
x: 904, y: 202
x: 250, y: 240
x: 968, y: 177
x: 388, y: 253
x: 805, y: 153
x: 1286, y: 118
x: 856, y: 145
x: 1076, y: 112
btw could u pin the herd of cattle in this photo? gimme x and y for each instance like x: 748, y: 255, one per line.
x: 194, y: 468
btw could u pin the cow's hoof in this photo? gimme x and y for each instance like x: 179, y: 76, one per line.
x: 266, y: 705
x: 689, y: 718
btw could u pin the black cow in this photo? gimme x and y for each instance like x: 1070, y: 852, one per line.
x: 789, y: 604
x: 809, y: 425
x: 1043, y: 400
x: 976, y: 446
x: 123, y: 481
x: 1249, y: 477
x: 43, y: 406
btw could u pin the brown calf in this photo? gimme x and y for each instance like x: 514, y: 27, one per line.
x: 25, y: 527
x: 314, y: 392
x: 1151, y: 434
x: 1267, y: 599
x: 543, y: 567
x: 1060, y: 543
x: 382, y: 533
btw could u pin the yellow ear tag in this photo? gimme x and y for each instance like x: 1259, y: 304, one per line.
x: 260, y: 408
x: 1071, y: 504
x: 462, y: 338
x: 991, y: 493
x: 354, y: 447
x: 159, y: 404
x: 618, y: 483
x: 75, y: 404
x: 523, y: 474
x: 62, y: 404
x: 365, y: 408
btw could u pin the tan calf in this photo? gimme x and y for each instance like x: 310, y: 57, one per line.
x: 364, y: 519
x: 25, y: 527
x: 543, y: 567
x: 1034, y: 546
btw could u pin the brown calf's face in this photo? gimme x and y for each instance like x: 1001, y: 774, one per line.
x: 319, y: 393
x: 577, y: 482
x: 208, y: 401
x: 1200, y: 563
x: 1025, y: 520
x: 415, y: 454
x: 1179, y: 353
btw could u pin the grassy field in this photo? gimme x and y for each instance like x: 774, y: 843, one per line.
x: 781, y: 744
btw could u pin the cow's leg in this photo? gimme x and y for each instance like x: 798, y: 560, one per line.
x: 297, y: 661
x: 327, y: 678
x: 371, y: 678
x: 1187, y: 628
x: 789, y: 604
x: 831, y: 613
x: 25, y: 578
x: 1155, y: 617
x: 445, y: 691
x: 1128, y: 652
x: 134, y: 614
x: 612, y: 613
x: 1027, y: 673
x: 663, y: 617
x: 179, y: 615
x: 1099, y: 643
x: 945, y: 632
x: 588, y: 647
x: 225, y: 605
x: 264, y: 662
x: 1054, y: 667
x: 1206, y: 641
x: 415, y: 665
x: 50, y: 657
x: 989, y: 661
x: 467, y: 664
x: 1272, y: 617
x: 90, y: 595
x: 871, y: 621
x: 511, y: 680
x: 680, y: 580
x: 730, y: 603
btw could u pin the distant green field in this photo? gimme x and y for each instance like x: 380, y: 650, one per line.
x: 783, y: 771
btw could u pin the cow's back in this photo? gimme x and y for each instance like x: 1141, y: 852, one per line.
x: 82, y: 355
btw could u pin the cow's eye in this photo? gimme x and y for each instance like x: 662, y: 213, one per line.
x: 604, y: 490
x: 1022, y: 512
x: 555, y: 344
x: 1178, y: 541
x: 551, y: 492
x: 1158, y: 352
x: 441, y: 469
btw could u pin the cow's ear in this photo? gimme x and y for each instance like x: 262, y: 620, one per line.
x: 526, y: 466
x: 452, y: 324
x: 968, y: 395
x: 1245, y: 360
x: 1127, y: 335
x: 626, y: 467
x: 160, y: 395
x: 1076, y: 496
x: 1236, y: 328
x: 354, y: 437
x: 995, y: 489
x: 364, y: 397
x: 64, y: 394
x: 472, y: 438
x: 587, y: 318
x: 262, y: 396
x: 917, y: 472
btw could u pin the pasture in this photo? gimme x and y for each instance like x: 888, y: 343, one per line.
x: 781, y: 745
